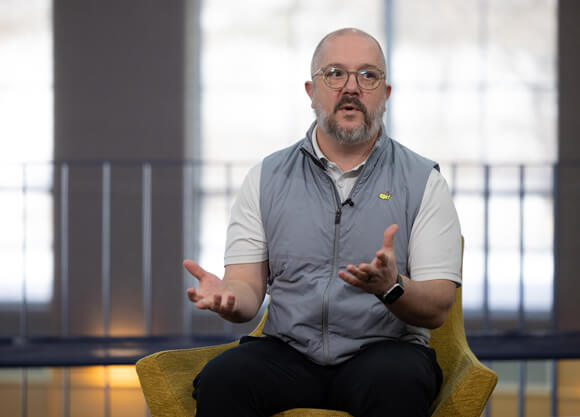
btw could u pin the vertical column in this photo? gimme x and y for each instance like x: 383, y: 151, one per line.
x: 567, y: 261
x: 568, y: 185
x: 120, y: 87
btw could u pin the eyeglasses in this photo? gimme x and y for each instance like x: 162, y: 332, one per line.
x: 336, y: 77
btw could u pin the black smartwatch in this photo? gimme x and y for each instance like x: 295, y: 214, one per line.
x: 393, y: 293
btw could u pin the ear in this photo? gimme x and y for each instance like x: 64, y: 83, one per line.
x: 309, y: 87
x: 387, y: 91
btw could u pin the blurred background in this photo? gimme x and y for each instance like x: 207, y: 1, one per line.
x: 127, y: 127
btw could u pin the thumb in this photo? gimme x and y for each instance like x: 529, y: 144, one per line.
x: 194, y: 269
x: 389, y: 237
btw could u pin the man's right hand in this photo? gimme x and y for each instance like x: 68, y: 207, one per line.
x: 211, y: 293
x: 237, y: 297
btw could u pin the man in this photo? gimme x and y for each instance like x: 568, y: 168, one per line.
x: 358, y: 241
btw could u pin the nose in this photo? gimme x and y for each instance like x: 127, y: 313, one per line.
x: 351, y: 85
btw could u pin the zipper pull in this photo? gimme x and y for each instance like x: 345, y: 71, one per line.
x: 337, y: 216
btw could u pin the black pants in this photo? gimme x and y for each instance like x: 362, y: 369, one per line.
x: 261, y: 377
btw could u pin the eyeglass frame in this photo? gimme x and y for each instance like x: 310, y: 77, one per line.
x: 321, y: 70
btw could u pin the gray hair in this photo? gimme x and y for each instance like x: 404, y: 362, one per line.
x: 315, y: 63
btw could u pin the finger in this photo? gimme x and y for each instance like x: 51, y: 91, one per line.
x: 382, y: 257
x: 389, y: 237
x: 194, y: 269
x: 230, y: 302
x: 203, y: 305
x: 345, y: 276
x: 193, y: 295
x: 217, y: 303
x: 369, y: 270
x: 358, y: 272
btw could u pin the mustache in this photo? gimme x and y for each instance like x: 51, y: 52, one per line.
x: 351, y: 100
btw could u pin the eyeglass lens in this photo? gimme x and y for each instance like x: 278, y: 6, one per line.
x: 336, y: 77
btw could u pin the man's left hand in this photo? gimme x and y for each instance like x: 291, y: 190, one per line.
x: 379, y: 275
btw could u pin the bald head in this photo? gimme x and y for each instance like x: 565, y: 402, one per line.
x: 319, y: 51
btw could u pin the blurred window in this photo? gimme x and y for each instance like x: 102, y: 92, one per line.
x: 26, y: 141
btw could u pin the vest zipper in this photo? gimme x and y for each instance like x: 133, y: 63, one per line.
x: 337, y: 218
x: 326, y: 295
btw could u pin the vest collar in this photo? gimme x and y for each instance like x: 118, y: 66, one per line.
x: 383, y: 143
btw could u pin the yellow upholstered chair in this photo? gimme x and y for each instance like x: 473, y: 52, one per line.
x: 166, y: 377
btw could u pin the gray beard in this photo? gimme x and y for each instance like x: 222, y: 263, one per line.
x: 359, y: 135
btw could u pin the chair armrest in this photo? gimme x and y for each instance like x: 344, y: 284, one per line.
x: 166, y: 378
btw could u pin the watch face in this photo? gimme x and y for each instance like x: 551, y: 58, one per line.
x: 394, y: 294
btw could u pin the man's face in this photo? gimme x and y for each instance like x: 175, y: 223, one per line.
x: 351, y: 115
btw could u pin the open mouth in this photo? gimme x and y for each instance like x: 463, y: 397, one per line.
x: 349, y: 107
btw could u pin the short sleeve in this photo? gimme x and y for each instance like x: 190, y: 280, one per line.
x: 246, y: 240
x: 435, y: 242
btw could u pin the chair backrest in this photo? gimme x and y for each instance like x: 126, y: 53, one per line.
x: 449, y: 340
x: 467, y: 383
x: 450, y: 344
